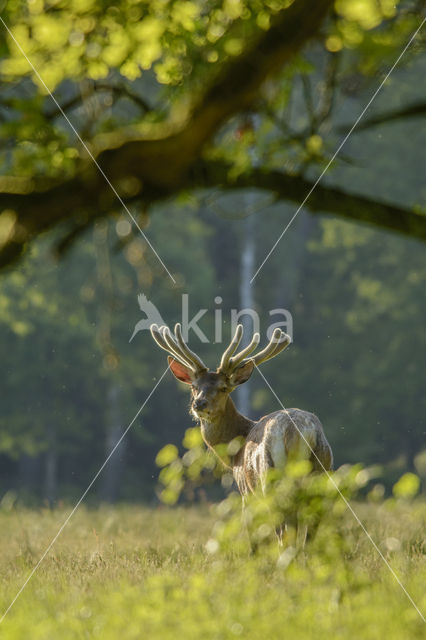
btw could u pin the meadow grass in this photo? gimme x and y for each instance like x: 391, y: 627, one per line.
x: 129, y: 572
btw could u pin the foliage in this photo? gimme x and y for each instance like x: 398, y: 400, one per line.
x: 292, y: 496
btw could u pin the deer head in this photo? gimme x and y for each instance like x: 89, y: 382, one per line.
x: 210, y: 389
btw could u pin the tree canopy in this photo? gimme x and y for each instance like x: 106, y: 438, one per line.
x: 181, y: 95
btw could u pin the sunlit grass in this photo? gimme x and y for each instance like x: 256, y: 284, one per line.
x: 135, y: 572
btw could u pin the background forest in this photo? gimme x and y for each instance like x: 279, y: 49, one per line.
x: 71, y: 381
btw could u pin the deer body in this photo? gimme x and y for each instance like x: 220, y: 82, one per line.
x: 268, y: 443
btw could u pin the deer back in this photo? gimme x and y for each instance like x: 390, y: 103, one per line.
x: 274, y: 440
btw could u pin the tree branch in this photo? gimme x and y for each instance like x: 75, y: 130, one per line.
x: 119, y: 91
x: 416, y: 110
x: 324, y: 199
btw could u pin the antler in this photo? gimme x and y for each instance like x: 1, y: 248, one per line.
x: 175, y: 345
x: 230, y: 362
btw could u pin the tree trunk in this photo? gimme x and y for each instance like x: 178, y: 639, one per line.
x: 50, y: 468
x: 247, y: 263
x: 411, y: 451
x: 113, y: 423
x: 113, y: 470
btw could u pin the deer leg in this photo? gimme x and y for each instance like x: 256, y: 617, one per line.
x: 279, y: 531
x: 289, y: 527
x: 253, y: 545
x: 312, y: 529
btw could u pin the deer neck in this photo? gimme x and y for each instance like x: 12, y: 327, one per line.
x: 226, y: 426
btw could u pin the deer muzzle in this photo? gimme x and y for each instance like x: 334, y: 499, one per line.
x: 200, y: 404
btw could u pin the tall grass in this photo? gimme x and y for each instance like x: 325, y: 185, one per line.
x: 172, y: 572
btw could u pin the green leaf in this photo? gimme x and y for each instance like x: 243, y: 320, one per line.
x: 407, y: 486
x: 166, y: 455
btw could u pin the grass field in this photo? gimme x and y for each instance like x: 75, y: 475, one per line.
x: 133, y: 572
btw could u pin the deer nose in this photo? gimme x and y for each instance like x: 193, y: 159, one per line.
x: 200, y: 404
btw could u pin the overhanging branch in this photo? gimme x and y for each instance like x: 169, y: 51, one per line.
x: 417, y: 110
x: 323, y: 199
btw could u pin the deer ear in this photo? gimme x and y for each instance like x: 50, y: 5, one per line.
x: 242, y: 374
x: 182, y: 373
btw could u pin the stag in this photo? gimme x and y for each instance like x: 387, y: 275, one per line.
x: 289, y: 434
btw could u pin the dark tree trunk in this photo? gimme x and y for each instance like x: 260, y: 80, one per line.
x: 411, y: 451
x: 50, y: 469
x: 113, y: 471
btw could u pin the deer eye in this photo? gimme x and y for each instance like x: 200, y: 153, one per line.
x: 223, y: 389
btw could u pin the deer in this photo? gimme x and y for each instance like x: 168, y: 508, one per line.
x: 272, y: 441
